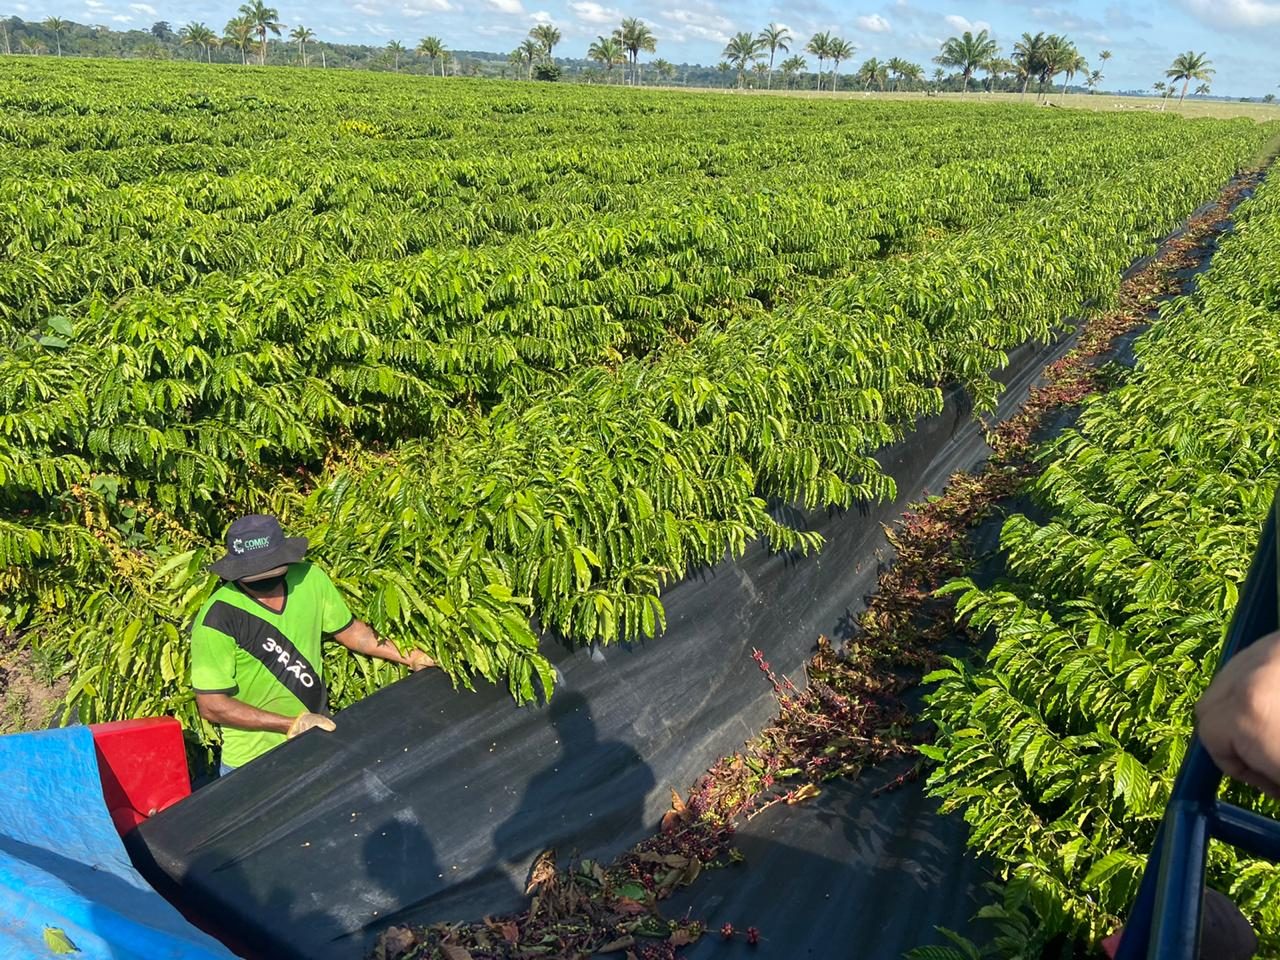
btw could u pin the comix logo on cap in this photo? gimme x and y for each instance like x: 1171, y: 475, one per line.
x: 239, y: 546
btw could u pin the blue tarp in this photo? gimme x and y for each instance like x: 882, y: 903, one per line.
x: 63, y: 869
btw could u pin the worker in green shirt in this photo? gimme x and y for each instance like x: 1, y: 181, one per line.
x: 256, y: 663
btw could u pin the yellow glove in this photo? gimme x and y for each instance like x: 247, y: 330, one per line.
x: 420, y: 660
x: 309, y: 721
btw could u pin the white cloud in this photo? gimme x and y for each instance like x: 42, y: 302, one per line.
x: 1234, y: 14
x: 960, y: 24
x: 143, y: 8
x: 122, y: 18
x: 506, y: 6
x: 701, y: 26
x: 365, y: 9
x: 873, y: 23
x: 541, y: 16
x: 418, y: 8
x: 94, y: 4
x: 591, y: 12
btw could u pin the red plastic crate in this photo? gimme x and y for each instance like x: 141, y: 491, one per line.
x: 143, y: 765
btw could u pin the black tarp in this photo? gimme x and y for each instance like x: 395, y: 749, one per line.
x: 429, y: 804
x: 858, y: 873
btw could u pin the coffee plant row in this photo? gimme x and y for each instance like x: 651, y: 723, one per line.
x: 1061, y: 748
x: 510, y: 357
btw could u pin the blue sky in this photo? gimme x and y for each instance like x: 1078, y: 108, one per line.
x: 1242, y: 37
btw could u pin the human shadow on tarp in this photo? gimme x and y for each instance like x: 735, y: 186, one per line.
x: 592, y: 791
x: 331, y: 913
x: 588, y: 797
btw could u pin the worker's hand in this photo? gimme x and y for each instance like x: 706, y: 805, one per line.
x: 1239, y: 716
x: 310, y: 721
x: 420, y: 660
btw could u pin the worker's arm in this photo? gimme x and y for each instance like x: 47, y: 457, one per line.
x: 1239, y: 716
x: 226, y: 711
x: 359, y: 637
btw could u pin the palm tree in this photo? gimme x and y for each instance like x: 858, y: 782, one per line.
x: 547, y: 37
x: 1028, y: 54
x: 740, y: 51
x: 1072, y: 64
x: 791, y: 66
x: 775, y: 38
x: 263, y: 18
x: 1202, y: 90
x: 897, y: 68
x: 1187, y: 67
x: 996, y: 67
x: 394, y: 49
x: 912, y: 72
x: 841, y: 50
x: 635, y: 36
x: 238, y: 35
x: 966, y: 53
x: 1104, y: 56
x: 56, y: 25
x: 433, y: 50
x: 608, y: 52
x: 1161, y: 88
x: 664, y: 69
x: 530, y: 50
x: 820, y: 46
x: 1057, y: 52
x: 196, y: 34
x: 867, y: 73
x: 724, y: 70
x: 1093, y: 80
x: 302, y: 36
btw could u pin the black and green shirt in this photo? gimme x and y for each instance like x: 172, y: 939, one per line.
x: 269, y: 660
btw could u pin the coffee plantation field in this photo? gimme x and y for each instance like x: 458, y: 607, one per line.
x: 507, y: 353
x: 1062, y: 747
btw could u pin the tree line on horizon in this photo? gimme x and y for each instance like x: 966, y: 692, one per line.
x: 749, y: 60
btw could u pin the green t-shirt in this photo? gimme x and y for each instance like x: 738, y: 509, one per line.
x: 269, y: 660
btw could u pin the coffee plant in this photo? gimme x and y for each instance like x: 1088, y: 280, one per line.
x: 1062, y: 746
x: 514, y: 358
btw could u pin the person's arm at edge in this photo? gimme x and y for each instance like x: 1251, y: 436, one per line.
x: 1239, y: 716
x: 359, y: 637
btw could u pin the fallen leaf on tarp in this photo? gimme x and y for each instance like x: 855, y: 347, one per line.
x: 676, y: 815
x: 666, y: 859
x: 507, y: 929
x: 691, y: 873
x: 683, y: 936
x: 807, y: 792
x: 455, y: 953
x: 629, y: 907
x: 632, y: 891
x: 542, y: 872
x: 56, y: 939
x: 620, y: 944
x: 394, y: 943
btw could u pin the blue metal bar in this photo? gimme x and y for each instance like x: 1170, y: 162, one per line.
x: 1164, y: 923
x: 1245, y: 830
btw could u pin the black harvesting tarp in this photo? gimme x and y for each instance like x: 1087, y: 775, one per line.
x: 429, y: 804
